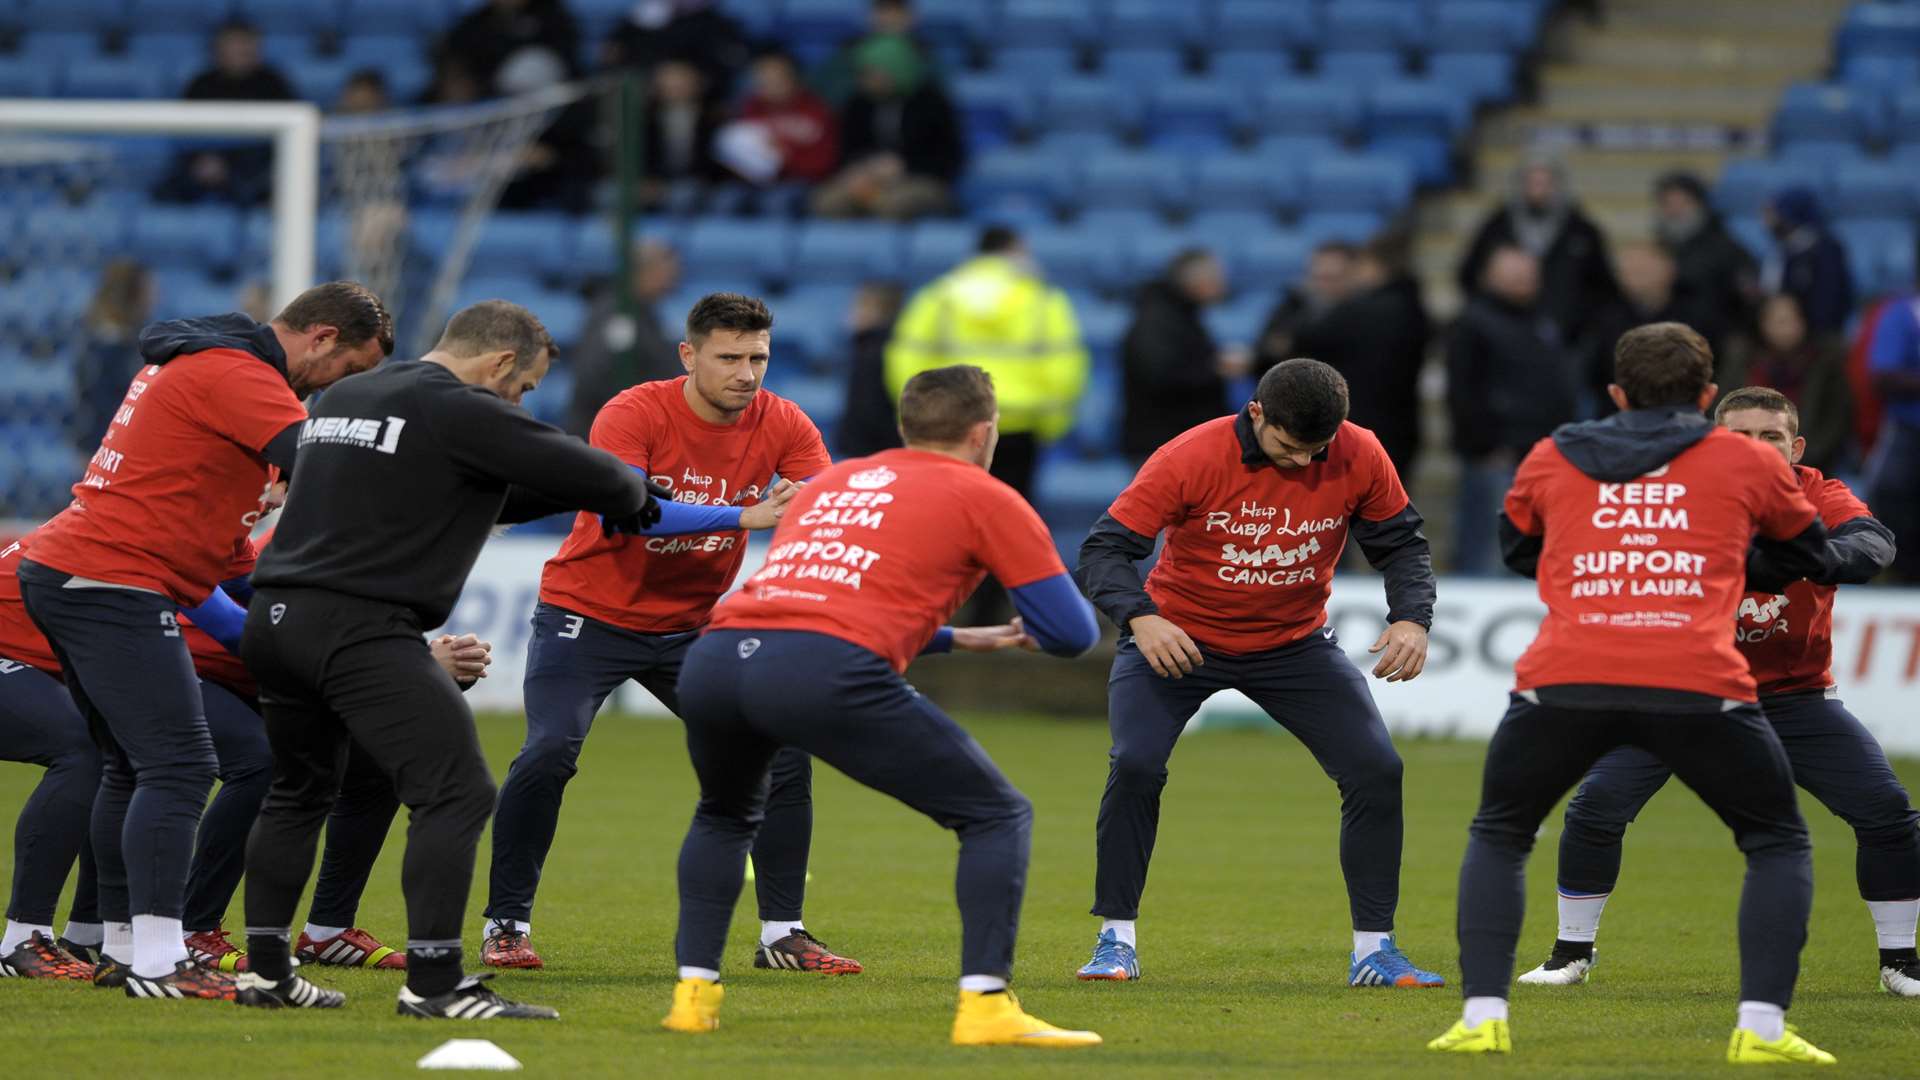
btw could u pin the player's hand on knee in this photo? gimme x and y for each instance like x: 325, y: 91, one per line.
x: 1404, y: 652
x: 1167, y: 648
x: 767, y: 513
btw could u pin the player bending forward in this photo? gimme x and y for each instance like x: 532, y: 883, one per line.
x: 1786, y: 634
x: 1257, y: 508
x: 875, y: 556
x: 1634, y: 651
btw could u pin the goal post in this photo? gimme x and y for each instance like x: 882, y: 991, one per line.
x: 293, y: 127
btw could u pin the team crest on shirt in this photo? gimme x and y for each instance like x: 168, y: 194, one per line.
x: 872, y: 479
x: 276, y: 613
x: 747, y: 647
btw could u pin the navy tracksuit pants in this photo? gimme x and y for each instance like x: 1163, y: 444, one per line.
x: 1731, y: 759
x: 573, y: 663
x: 1834, y: 758
x: 1310, y: 688
x: 39, y: 725
x: 746, y: 695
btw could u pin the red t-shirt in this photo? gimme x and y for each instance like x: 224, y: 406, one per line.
x: 1641, y: 578
x: 666, y: 584
x: 1787, y: 638
x: 20, y: 639
x: 1251, y: 547
x: 880, y: 550
x: 178, y: 477
x: 210, y: 658
x: 804, y: 130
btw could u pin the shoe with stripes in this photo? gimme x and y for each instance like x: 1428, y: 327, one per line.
x: 350, y: 948
x: 214, y: 949
x: 1388, y: 966
x: 110, y: 974
x: 506, y: 947
x: 187, y: 980
x: 39, y: 958
x: 471, y: 1000
x: 1113, y: 961
x: 801, y: 951
x: 292, y: 992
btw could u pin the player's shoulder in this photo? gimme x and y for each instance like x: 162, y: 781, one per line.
x: 782, y: 412
x: 1203, y: 441
x: 1830, y: 495
x: 1723, y: 449
x: 1353, y: 443
x: 648, y: 395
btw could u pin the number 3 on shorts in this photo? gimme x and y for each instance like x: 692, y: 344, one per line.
x: 574, y: 623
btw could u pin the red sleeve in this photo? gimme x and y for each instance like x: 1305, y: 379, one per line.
x: 1523, y: 498
x: 1157, y: 497
x: 621, y: 428
x: 806, y: 454
x: 1780, y: 508
x: 245, y: 400
x: 1838, y: 503
x: 1384, y: 495
x: 1013, y: 542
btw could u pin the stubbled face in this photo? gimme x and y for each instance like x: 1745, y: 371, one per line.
x: 326, y: 361
x: 728, y: 366
x: 1769, y: 427
x: 1285, y: 451
x: 513, y: 385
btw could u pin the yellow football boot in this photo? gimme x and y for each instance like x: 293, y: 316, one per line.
x: 1746, y: 1048
x: 1490, y: 1037
x: 996, y: 1019
x: 696, y: 1007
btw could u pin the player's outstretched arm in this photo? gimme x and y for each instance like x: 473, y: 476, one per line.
x: 767, y: 513
x: 1055, y: 616
x: 542, y: 465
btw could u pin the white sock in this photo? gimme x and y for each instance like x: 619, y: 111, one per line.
x: 771, y: 932
x: 1893, y: 922
x: 323, y: 933
x: 117, y: 941
x: 1368, y: 942
x: 982, y: 984
x: 158, y: 944
x: 700, y: 973
x: 1479, y: 1010
x: 1122, y: 930
x: 1764, y: 1019
x: 508, y: 924
x: 1580, y: 915
x: 18, y: 933
x: 90, y: 934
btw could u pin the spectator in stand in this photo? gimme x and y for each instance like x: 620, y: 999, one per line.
x: 624, y: 345
x: 365, y: 92
x: 1893, y: 469
x: 1648, y: 279
x: 869, y: 423
x: 238, y: 174
x: 1807, y: 260
x: 1715, y: 278
x: 1376, y: 337
x: 696, y: 31
x: 1811, y: 371
x: 121, y: 305
x: 900, y: 139
x: 1511, y: 379
x: 454, y: 83
x: 790, y: 132
x: 838, y: 77
x: 509, y: 44
x: 1173, y: 375
x: 1329, y: 279
x: 1577, y: 286
x: 680, y: 127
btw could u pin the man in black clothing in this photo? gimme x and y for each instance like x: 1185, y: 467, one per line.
x: 1714, y: 277
x: 237, y: 174
x: 1170, y: 367
x: 403, y: 472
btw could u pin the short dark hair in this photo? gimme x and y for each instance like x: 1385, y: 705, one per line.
x: 939, y: 405
x: 1661, y: 364
x: 995, y: 239
x: 348, y: 307
x: 1759, y: 397
x: 493, y: 325
x: 727, y: 311
x: 368, y: 76
x: 1306, y: 398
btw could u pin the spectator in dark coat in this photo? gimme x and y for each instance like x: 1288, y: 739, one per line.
x: 696, y: 31
x: 1715, y: 279
x: 122, y: 304
x: 1171, y: 369
x: 613, y: 334
x: 869, y: 423
x: 1648, y: 282
x: 1807, y: 261
x: 239, y: 174
x: 1811, y: 371
x: 900, y: 141
x: 508, y: 44
x: 1329, y: 279
x: 680, y: 126
x: 1510, y: 381
x: 1542, y: 218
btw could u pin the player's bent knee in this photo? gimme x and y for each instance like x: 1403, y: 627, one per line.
x: 1139, y: 772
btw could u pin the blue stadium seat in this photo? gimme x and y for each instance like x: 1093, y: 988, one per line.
x: 1149, y: 251
x: 1823, y: 153
x: 1293, y: 151
x: 1870, y: 189
x: 1371, y: 25
x: 1034, y: 66
x: 810, y: 327
x: 205, y: 235
x: 92, y: 16
x: 1140, y: 24
x: 564, y: 314
x: 1357, y: 182
x: 1360, y: 68
x: 1074, y: 257
x: 1904, y: 125
x: 182, y: 16
x: 59, y: 46
x: 1884, y: 29
x: 1825, y: 112
x: 532, y: 240
x: 994, y: 106
x: 1135, y: 179
x: 1268, y: 24
x: 821, y: 397
x: 1260, y: 182
x: 27, y: 78
x: 484, y: 283
x: 283, y: 49
x: 1252, y: 68
x: 1073, y: 145
x: 1878, y: 251
x: 1413, y: 107
x: 1227, y: 233
x: 1309, y: 107
x: 848, y: 250
x: 1485, y: 78
x: 426, y: 18
x: 1146, y: 67
x: 1043, y: 178
x: 1090, y: 103
x: 169, y: 50
x: 1103, y: 324
x: 1239, y: 321
x: 320, y: 81
x: 934, y: 247
x: 1346, y: 226
x: 814, y: 22
x: 954, y: 21
x: 1065, y: 23
x: 1197, y: 107
x: 1876, y: 73
x: 113, y: 77
x: 1080, y: 488
x: 292, y: 16
x: 742, y: 250
x: 388, y: 52
x: 181, y: 293
x: 1747, y: 183
x: 1482, y: 26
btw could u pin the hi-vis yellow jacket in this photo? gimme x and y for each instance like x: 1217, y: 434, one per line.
x: 993, y: 312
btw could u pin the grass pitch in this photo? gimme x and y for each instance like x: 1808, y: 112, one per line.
x: 1244, y: 940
